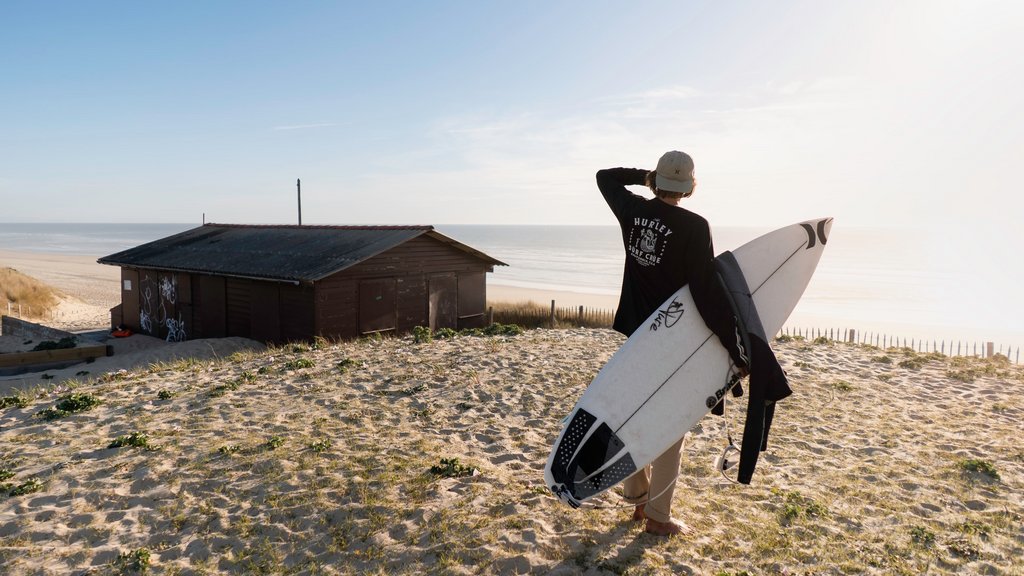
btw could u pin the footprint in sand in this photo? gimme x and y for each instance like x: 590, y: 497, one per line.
x: 508, y: 457
x: 975, y: 505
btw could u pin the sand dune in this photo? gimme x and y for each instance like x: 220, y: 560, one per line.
x: 295, y: 460
x: 397, y: 457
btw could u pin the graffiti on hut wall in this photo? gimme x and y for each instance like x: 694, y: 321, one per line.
x: 175, y: 329
x: 164, y: 312
x: 146, y: 306
x: 168, y: 300
x: 168, y: 290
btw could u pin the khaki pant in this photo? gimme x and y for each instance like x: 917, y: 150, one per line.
x: 658, y: 481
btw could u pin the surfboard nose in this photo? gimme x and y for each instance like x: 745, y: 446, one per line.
x: 825, y: 229
x: 817, y: 231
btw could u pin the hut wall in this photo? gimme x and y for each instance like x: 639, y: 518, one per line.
x: 266, y: 311
x: 422, y: 282
x: 297, y: 312
x: 157, y: 303
x: 423, y: 270
x: 238, y: 298
x: 443, y: 301
x: 472, y: 299
x: 211, y: 307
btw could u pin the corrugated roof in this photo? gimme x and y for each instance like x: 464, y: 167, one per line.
x: 289, y: 253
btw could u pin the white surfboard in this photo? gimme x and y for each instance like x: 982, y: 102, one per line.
x: 664, y: 378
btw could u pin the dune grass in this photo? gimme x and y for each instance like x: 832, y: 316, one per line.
x: 35, y: 298
x: 533, y: 315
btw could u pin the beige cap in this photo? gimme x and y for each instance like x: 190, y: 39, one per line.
x: 675, y: 173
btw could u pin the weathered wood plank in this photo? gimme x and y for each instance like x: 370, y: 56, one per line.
x: 53, y: 356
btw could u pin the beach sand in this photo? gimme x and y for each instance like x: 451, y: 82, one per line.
x: 348, y: 460
x: 78, y: 276
x: 563, y: 299
x: 396, y: 457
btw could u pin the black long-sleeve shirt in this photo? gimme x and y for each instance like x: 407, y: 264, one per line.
x: 667, y: 247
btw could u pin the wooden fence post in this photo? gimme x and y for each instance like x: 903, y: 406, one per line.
x: 552, y: 313
x: 989, y: 349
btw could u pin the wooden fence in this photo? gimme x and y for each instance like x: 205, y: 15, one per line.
x: 883, y: 340
x: 537, y: 316
x: 16, y: 310
x: 532, y: 315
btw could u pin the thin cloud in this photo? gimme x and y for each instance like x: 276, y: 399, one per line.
x: 304, y: 126
x: 668, y: 93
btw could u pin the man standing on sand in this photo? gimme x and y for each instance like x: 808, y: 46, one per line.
x: 667, y: 247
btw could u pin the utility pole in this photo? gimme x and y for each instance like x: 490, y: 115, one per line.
x: 298, y: 186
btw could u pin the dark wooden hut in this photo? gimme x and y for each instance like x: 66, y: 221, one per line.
x: 293, y: 283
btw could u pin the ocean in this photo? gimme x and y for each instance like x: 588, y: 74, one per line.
x: 880, y: 282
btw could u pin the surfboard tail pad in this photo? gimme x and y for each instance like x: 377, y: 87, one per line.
x: 590, y: 459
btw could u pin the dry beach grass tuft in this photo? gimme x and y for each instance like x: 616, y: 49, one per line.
x: 401, y: 457
x: 32, y: 297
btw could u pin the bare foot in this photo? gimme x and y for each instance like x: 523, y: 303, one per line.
x: 638, y: 513
x: 670, y: 528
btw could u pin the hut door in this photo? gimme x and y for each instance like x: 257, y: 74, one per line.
x: 213, y: 292
x: 238, y: 294
x: 444, y: 291
x: 378, y: 310
x: 130, y: 299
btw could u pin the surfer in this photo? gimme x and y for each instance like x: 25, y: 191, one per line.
x: 666, y: 247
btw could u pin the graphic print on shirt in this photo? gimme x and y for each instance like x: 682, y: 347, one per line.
x: 648, y: 239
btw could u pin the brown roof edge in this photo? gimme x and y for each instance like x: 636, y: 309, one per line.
x: 292, y: 281
x: 425, y: 228
x: 459, y: 245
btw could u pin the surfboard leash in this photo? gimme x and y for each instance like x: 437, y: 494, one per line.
x: 722, y: 462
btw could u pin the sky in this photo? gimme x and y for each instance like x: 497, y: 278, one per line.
x: 897, y: 114
x: 878, y: 113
